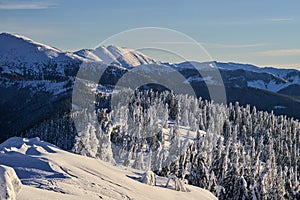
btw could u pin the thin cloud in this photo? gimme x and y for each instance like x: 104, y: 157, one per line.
x: 280, y: 19
x: 281, y: 52
x: 175, y: 42
x: 26, y: 4
x: 216, y: 45
x: 235, y: 46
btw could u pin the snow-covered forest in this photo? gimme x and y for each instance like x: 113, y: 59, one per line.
x: 235, y: 152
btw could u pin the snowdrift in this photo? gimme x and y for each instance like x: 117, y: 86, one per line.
x: 48, y: 172
x: 10, y: 184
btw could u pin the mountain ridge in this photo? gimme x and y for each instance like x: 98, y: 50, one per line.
x: 27, y: 50
x: 44, y: 85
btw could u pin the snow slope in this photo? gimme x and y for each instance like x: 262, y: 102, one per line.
x: 270, y: 86
x: 21, y: 55
x: 116, y: 55
x: 17, y: 48
x: 48, y: 172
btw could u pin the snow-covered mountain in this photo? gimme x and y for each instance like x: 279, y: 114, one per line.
x: 243, y: 75
x: 17, y: 48
x: 47, y: 172
x: 21, y: 55
x: 289, y: 76
x: 283, y: 73
x: 116, y: 55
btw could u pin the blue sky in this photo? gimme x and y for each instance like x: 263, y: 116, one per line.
x: 261, y: 32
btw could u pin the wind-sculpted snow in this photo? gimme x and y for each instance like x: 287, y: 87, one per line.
x: 48, y: 172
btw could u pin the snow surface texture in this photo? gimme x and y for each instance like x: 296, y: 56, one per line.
x: 48, y: 172
x: 115, y: 55
x: 10, y: 184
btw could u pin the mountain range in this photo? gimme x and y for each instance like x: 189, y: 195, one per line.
x: 36, y: 80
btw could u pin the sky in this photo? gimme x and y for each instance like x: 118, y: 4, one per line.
x: 260, y: 32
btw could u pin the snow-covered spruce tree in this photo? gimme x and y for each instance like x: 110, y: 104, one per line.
x: 59, y: 131
x: 139, y: 161
x: 104, y: 151
x: 178, y: 184
x: 185, y: 118
x: 86, y: 143
x: 128, y: 157
x: 156, y: 159
x: 165, y: 116
x: 234, y: 182
x: 163, y: 168
x: 174, y: 149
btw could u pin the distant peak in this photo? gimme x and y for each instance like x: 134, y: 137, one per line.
x: 14, y: 35
x: 27, y: 40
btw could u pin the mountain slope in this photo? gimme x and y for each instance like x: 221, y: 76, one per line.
x: 48, y: 172
x: 116, y: 55
x: 23, y: 56
x: 283, y: 73
x: 292, y: 90
x: 242, y: 75
x: 17, y: 48
x: 35, y: 83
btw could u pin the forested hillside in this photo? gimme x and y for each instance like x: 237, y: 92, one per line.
x: 235, y: 152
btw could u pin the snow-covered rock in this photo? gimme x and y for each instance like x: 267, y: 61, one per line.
x: 10, y: 184
x: 149, y: 178
x: 178, y: 184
